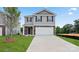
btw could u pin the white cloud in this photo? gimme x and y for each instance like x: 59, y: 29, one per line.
x: 72, y: 9
x: 70, y: 13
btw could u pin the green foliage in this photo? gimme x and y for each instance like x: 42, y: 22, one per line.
x: 21, y: 29
x: 76, y: 25
x: 71, y: 40
x: 68, y: 28
x: 13, y: 15
x: 58, y: 30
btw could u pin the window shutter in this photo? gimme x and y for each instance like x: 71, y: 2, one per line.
x: 41, y: 18
x: 52, y: 18
x: 47, y: 18
x: 27, y: 19
x: 30, y: 19
x: 36, y: 18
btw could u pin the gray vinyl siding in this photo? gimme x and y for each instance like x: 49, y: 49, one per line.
x: 44, y: 22
x: 2, y: 19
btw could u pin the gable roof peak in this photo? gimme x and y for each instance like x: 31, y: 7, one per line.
x: 46, y: 11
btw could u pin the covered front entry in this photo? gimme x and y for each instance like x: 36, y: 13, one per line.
x: 44, y: 31
x: 28, y: 30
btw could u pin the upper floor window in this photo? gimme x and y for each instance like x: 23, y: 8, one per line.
x: 38, y: 19
x: 49, y: 18
x: 29, y: 19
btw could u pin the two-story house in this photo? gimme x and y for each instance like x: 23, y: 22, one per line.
x: 40, y: 23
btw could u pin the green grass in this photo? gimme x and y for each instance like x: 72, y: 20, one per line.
x: 20, y: 45
x: 71, y: 40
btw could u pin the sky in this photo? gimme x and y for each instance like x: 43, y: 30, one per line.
x: 64, y: 15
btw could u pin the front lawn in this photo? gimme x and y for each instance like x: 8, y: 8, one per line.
x: 71, y: 40
x: 20, y: 45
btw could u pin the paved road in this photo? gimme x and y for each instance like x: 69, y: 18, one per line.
x: 51, y: 44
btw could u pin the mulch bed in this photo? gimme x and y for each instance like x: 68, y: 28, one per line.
x: 70, y: 35
x: 9, y: 40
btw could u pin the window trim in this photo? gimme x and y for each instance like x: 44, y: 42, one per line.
x: 27, y: 19
x: 49, y: 20
x: 37, y: 19
x: 41, y: 18
x: 30, y: 19
x: 52, y: 18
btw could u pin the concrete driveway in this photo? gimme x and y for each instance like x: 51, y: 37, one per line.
x: 51, y: 44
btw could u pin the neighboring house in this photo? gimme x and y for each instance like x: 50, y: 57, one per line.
x: 40, y: 23
x: 4, y: 30
x: 2, y: 25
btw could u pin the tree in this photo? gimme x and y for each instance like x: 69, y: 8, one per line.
x: 76, y: 25
x: 58, y: 30
x: 68, y: 28
x: 12, y: 20
x: 21, y: 29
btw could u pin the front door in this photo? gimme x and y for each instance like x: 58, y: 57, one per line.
x: 29, y: 30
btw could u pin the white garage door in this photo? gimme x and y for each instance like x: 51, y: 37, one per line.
x: 44, y: 31
x: 0, y: 31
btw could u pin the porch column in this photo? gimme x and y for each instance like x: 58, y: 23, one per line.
x: 33, y: 31
x: 27, y: 31
x: 23, y: 30
x: 54, y: 25
x: 30, y: 30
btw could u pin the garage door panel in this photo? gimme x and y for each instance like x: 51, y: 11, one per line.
x: 44, y: 31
